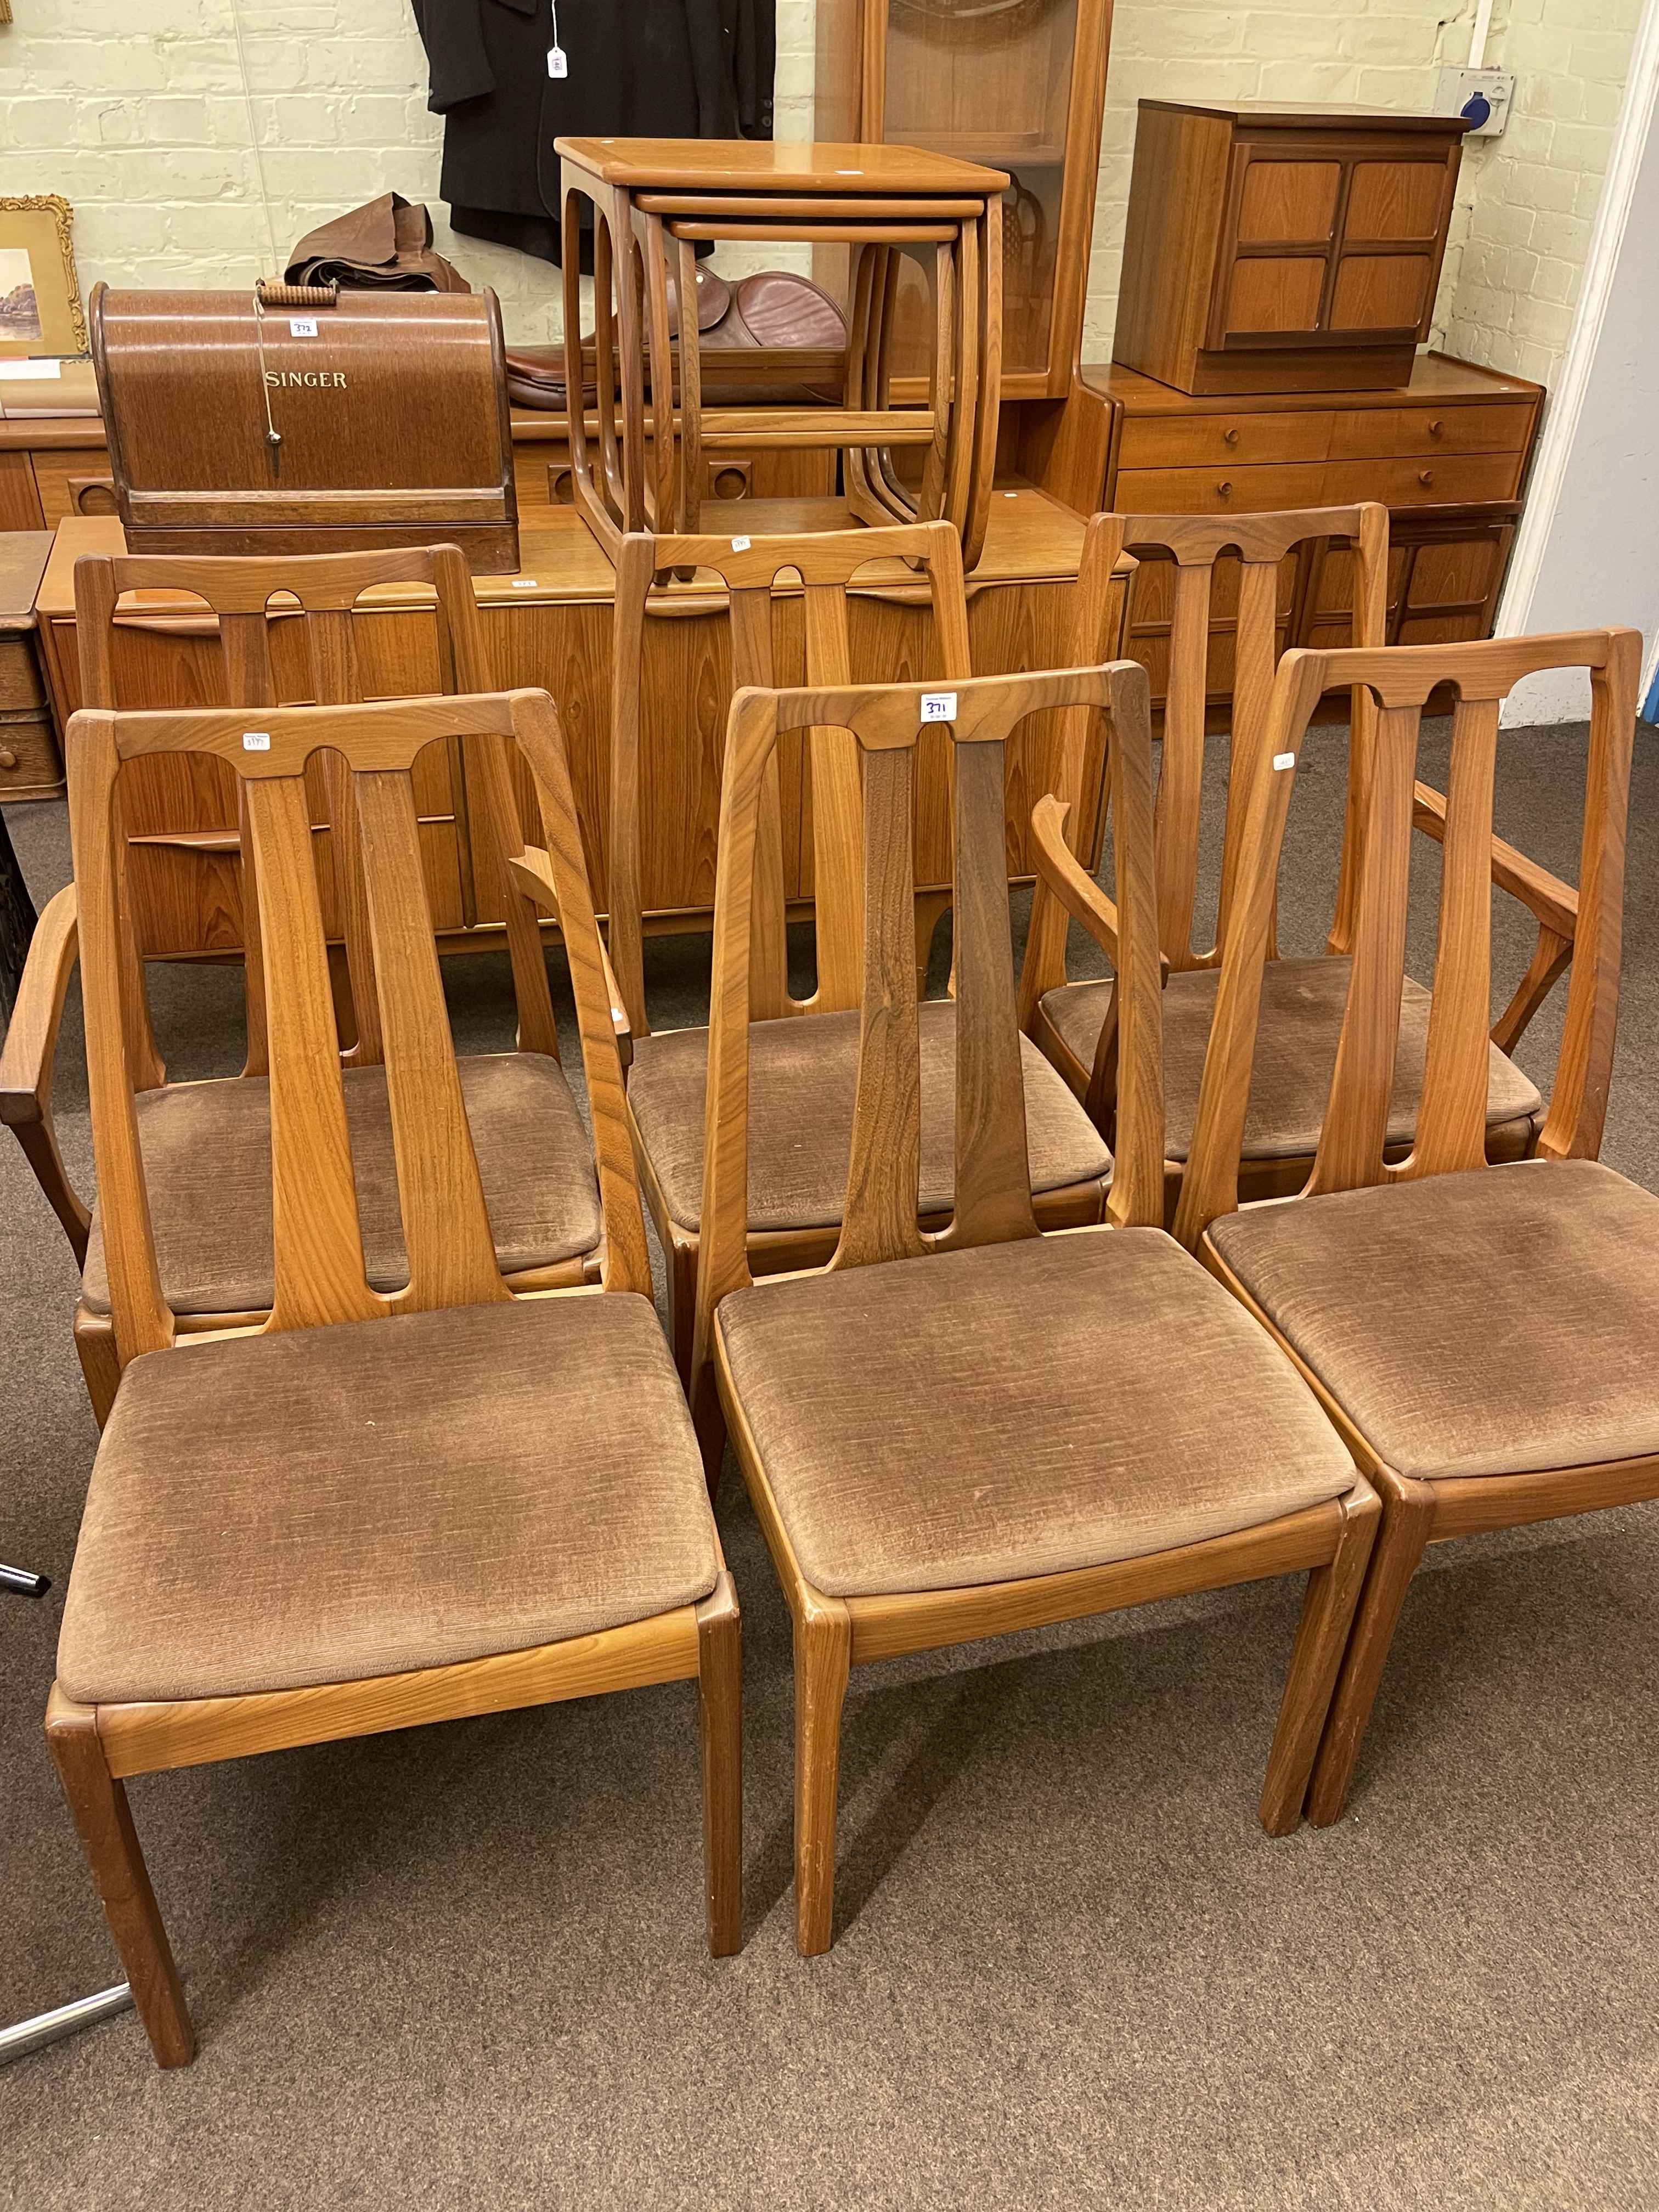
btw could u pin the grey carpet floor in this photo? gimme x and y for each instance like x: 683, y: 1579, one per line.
x: 463, y: 1965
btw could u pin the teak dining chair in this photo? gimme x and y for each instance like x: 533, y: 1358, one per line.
x: 804, y: 1051
x: 207, y: 1145
x: 954, y: 1435
x: 375, y: 1508
x: 1483, y: 1335
x: 1302, y: 998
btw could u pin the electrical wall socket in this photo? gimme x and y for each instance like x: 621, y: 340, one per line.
x: 1459, y: 88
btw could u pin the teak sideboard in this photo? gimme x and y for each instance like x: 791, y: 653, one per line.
x: 551, y: 626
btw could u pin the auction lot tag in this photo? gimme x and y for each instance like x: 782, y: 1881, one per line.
x: 938, y: 706
x: 1284, y: 760
x: 302, y: 326
x: 741, y: 544
x: 256, y: 741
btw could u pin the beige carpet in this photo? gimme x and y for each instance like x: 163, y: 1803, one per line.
x: 463, y: 1965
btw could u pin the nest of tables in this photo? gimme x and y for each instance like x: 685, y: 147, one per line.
x: 653, y: 201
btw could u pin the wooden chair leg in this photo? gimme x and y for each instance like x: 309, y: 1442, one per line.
x: 98, y: 1803
x: 1407, y: 1519
x: 708, y: 1420
x: 681, y: 1259
x: 823, y: 1653
x: 719, y: 1691
x: 1322, y: 1638
x: 100, y: 1369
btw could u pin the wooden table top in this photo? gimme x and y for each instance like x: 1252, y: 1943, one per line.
x: 1438, y: 380
x: 23, y: 554
x: 1031, y: 538
x: 749, y: 165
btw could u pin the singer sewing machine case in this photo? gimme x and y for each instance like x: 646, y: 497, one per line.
x: 305, y: 422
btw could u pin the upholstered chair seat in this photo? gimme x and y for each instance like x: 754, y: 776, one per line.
x: 1302, y: 1003
x: 207, y: 1169
x: 387, y: 1495
x: 803, y: 1075
x: 1500, y: 1322
x: 1010, y: 1410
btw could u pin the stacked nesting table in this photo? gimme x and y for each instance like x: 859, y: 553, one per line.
x: 653, y: 201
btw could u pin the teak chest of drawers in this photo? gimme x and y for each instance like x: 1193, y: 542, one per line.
x: 1447, y: 453
x: 1270, y: 248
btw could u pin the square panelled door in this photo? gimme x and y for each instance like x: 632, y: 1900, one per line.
x: 1283, y: 249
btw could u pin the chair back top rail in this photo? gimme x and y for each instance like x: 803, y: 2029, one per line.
x: 827, y: 564
x: 886, y: 722
x: 1451, y: 1120
x: 319, y: 1255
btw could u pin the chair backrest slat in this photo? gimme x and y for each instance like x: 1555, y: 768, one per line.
x: 752, y: 571
x: 1350, y: 1154
x: 1457, y: 1068
x: 1450, y: 1133
x: 992, y: 1175
x: 884, y: 1168
x: 319, y: 1274
x: 837, y: 812
x: 451, y: 1253
x: 319, y: 1271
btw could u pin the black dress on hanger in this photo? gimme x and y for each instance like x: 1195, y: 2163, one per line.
x: 634, y: 69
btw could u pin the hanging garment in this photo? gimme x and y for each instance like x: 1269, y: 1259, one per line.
x: 652, y: 69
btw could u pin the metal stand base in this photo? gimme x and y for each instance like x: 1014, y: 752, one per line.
x: 69, y: 2020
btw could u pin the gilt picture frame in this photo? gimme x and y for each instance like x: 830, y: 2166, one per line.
x: 41, y: 313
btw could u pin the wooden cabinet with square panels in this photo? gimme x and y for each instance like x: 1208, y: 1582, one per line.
x: 1271, y: 248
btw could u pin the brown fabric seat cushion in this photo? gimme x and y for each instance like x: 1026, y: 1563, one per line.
x: 207, y: 1163
x: 329, y: 1503
x: 1302, y: 1002
x: 1019, y: 1409
x: 803, y: 1072
x: 1497, y: 1322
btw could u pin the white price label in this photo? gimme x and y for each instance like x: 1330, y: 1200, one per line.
x: 1284, y: 760
x: 556, y: 63
x: 302, y: 326
x: 741, y: 544
x: 256, y: 741
x: 524, y: 583
x: 938, y: 706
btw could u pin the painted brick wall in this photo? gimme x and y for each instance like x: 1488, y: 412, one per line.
x: 1530, y: 197
x: 200, y: 142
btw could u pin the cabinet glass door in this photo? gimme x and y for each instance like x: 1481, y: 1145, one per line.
x: 988, y: 80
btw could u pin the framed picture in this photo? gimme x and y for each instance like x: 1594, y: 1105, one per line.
x: 40, y: 310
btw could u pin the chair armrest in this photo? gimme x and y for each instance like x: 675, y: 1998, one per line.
x: 532, y: 872
x: 29, y: 1053
x: 1059, y: 868
x: 31, y: 1043
x: 1553, y: 903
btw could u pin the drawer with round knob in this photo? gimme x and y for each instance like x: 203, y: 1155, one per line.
x: 1459, y: 480
x: 29, y: 766
x: 1360, y: 433
x: 1174, y: 441
x: 1221, y: 490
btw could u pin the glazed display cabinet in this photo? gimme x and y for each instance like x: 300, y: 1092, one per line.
x: 1016, y: 84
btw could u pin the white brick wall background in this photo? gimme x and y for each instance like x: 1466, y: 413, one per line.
x: 203, y: 137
